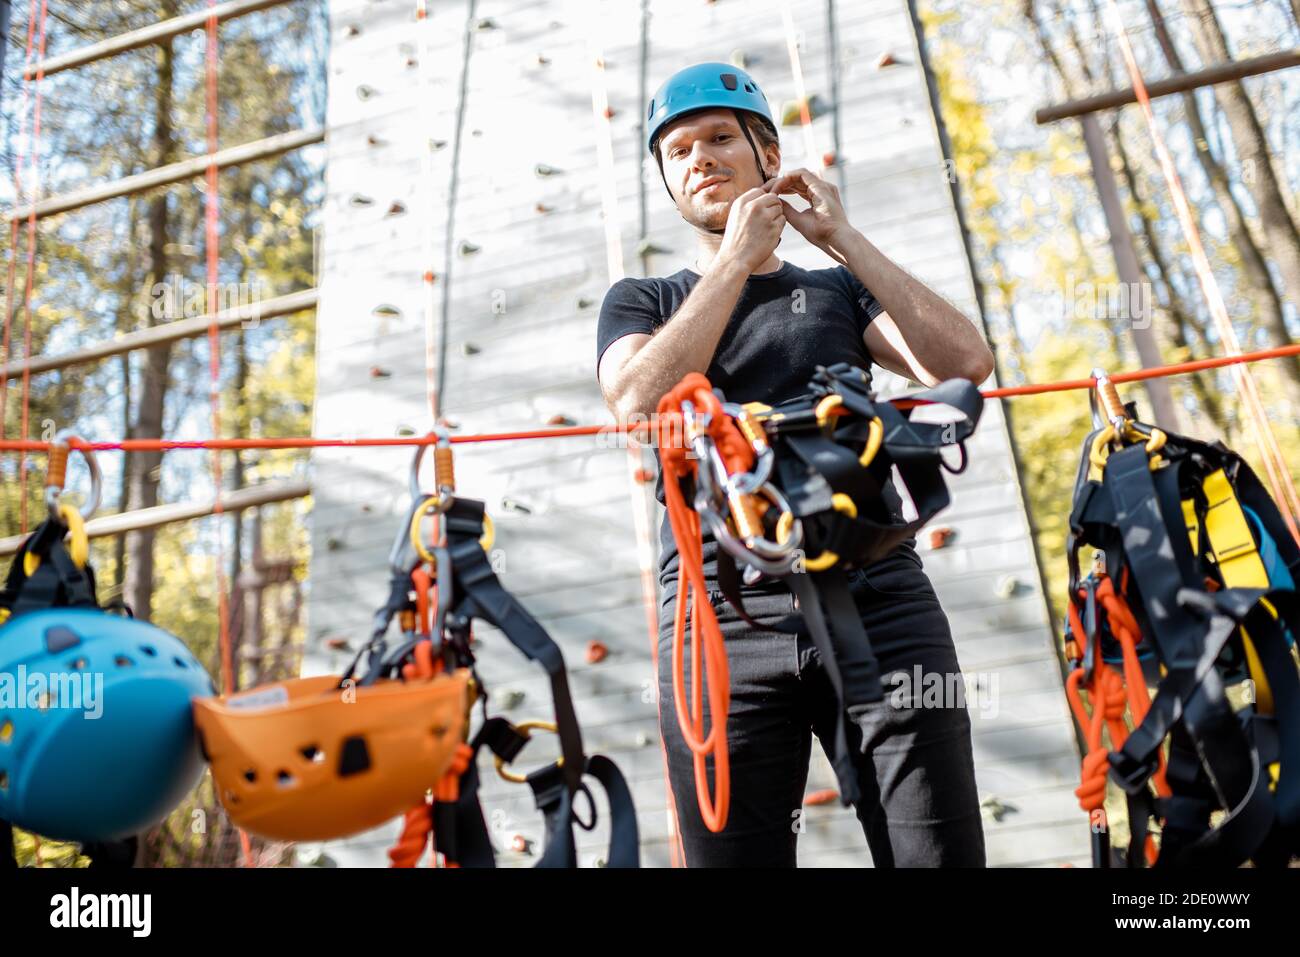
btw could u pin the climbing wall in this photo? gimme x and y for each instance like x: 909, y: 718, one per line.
x: 498, y: 147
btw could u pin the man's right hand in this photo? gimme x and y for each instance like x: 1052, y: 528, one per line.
x: 754, y: 226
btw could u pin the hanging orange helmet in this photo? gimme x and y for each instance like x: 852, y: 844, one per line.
x: 307, y: 760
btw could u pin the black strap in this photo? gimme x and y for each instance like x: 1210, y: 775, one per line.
x: 555, y: 801
x: 482, y: 596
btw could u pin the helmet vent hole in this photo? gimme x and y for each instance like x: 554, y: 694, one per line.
x: 250, y: 776
x: 285, y: 779
x: 122, y: 661
x: 6, y: 731
x: 76, y: 664
x: 312, y: 754
x: 729, y: 80
x: 439, y: 730
x: 149, y: 650
x: 180, y: 662
x: 355, y: 757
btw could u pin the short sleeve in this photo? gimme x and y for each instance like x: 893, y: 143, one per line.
x: 868, y: 305
x: 631, y: 306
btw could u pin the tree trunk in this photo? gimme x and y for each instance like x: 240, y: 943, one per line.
x: 1264, y: 294
x: 1281, y: 238
x: 146, y: 467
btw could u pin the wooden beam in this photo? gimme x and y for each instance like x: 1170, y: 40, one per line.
x: 167, y: 332
x: 171, y: 173
x: 1178, y: 83
x: 236, y: 501
x: 155, y: 33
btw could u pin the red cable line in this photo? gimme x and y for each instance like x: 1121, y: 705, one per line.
x: 12, y: 264
x: 310, y: 442
x: 31, y: 268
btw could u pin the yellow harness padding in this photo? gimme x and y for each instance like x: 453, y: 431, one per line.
x: 1229, y: 537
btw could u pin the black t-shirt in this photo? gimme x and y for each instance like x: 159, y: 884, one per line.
x: 785, y: 324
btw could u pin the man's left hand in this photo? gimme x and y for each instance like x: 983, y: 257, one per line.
x: 824, y: 220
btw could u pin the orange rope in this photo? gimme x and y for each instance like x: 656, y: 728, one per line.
x: 310, y: 442
x: 1279, y: 476
x: 1110, y: 693
x: 706, y: 636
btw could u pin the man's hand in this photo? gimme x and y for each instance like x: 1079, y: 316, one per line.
x: 824, y: 221
x: 754, y: 226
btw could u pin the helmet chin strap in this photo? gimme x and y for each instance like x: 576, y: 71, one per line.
x: 762, y: 174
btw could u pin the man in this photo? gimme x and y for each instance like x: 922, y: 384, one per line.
x: 758, y: 328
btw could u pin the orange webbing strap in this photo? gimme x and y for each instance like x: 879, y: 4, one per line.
x: 418, y: 826
x: 1110, y: 693
x: 706, y: 637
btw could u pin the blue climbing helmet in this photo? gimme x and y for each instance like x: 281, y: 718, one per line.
x: 97, y: 739
x: 706, y: 86
x: 97, y: 735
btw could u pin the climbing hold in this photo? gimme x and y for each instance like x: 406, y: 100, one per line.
x: 792, y: 110
x: 648, y: 248
x: 1007, y: 586
x: 486, y: 23
x: 412, y: 61
x: 360, y: 202
x: 642, y: 739
x: 337, y: 644
x: 430, y: 276
x: 333, y: 544
x: 541, y: 169
x: 511, y: 699
x: 941, y: 536
x: 824, y: 796
x: 374, y: 140
x: 521, y: 845
x: 352, y: 30
x: 404, y: 430
x: 609, y: 112
x: 385, y: 311
x: 469, y: 349
x: 597, y: 651
x: 514, y: 505
x: 475, y: 132
x: 738, y: 59
x: 585, y: 302
x: 396, y: 208
x: 828, y: 158
x: 996, y: 809
x: 644, y: 476
x: 543, y: 59
x: 543, y: 208
x: 365, y: 91
x: 886, y: 59
x: 435, y: 145
x: 379, y: 372
x: 560, y: 419
x: 467, y: 248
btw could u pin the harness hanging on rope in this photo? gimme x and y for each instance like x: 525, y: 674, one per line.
x: 370, y: 745
x: 97, y: 744
x: 800, y: 493
x: 1194, y: 572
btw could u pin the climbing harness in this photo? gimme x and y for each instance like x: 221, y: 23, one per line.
x: 321, y: 758
x: 1193, y: 575
x: 96, y: 737
x: 800, y: 493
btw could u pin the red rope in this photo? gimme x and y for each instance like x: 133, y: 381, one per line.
x: 310, y: 442
x: 31, y: 268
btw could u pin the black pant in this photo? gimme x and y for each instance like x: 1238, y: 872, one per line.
x: 920, y: 806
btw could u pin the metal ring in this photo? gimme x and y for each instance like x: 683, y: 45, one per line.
x: 433, y: 506
x: 52, y: 492
x: 525, y: 727
x: 845, y: 506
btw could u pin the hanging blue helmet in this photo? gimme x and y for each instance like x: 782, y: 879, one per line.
x: 97, y: 736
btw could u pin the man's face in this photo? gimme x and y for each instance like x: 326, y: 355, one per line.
x: 707, y: 164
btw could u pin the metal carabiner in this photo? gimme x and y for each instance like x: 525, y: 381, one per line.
x: 444, y: 469
x: 764, y: 455
x: 56, y: 471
